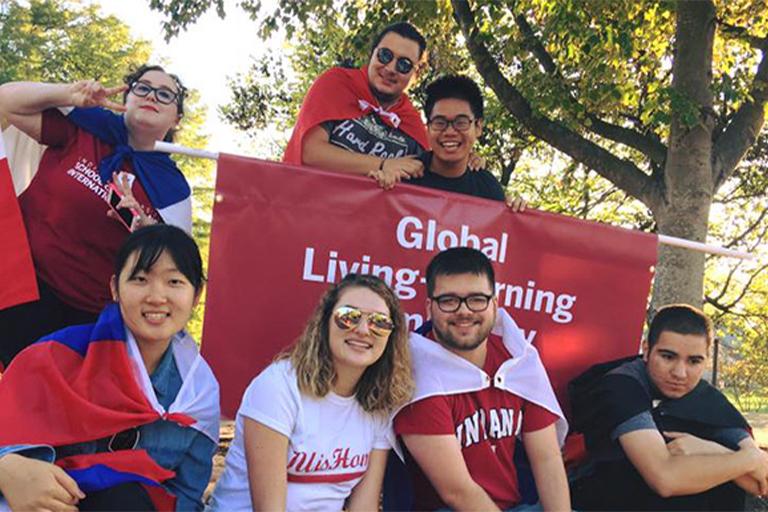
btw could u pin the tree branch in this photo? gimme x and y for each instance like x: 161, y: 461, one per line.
x: 748, y: 230
x: 649, y: 146
x: 509, y: 168
x: 742, y: 33
x: 731, y: 146
x: 622, y: 173
x: 726, y: 284
x: 727, y: 307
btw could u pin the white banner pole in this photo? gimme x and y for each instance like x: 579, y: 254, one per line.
x: 708, y: 248
x: 167, y: 147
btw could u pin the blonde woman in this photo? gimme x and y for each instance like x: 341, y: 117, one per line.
x: 313, y: 428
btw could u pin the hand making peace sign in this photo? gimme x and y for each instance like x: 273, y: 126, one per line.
x: 90, y: 93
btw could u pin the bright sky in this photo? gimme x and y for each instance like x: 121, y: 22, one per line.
x: 204, y: 56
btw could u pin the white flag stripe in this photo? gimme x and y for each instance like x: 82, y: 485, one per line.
x: 2, y: 147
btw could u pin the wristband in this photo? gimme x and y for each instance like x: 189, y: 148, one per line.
x: 381, y: 165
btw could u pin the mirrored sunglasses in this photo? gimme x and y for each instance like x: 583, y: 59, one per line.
x: 403, y: 64
x: 162, y: 94
x: 348, y: 318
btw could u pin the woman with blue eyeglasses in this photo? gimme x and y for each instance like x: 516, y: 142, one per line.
x: 313, y: 431
x: 98, y: 180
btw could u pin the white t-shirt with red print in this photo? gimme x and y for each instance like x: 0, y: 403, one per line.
x: 330, y: 440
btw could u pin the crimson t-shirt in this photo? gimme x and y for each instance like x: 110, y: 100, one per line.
x: 485, y: 423
x: 72, y: 239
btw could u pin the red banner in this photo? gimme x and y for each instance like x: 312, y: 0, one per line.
x: 17, y: 274
x: 281, y: 234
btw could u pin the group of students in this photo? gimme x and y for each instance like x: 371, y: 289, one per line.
x: 121, y: 412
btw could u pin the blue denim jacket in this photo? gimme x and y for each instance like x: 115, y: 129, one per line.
x: 184, y: 450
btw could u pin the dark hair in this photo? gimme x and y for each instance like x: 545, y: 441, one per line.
x: 406, y: 30
x: 136, y: 75
x: 458, y: 87
x: 680, y: 319
x: 459, y: 260
x: 387, y: 383
x: 151, y: 241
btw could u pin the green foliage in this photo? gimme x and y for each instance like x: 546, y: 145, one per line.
x: 184, y: 13
x: 260, y: 97
x: 612, y: 58
x: 57, y: 41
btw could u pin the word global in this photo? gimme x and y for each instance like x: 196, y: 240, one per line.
x: 411, y: 235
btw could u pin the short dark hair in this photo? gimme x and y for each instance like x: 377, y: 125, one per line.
x: 406, y: 30
x: 459, y: 260
x: 151, y: 241
x: 136, y: 75
x: 458, y: 87
x: 680, y: 319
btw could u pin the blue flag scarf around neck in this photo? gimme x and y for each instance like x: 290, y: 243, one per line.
x: 162, y: 180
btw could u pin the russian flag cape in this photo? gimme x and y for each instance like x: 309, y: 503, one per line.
x: 342, y: 93
x: 438, y: 371
x: 164, y: 183
x: 89, y: 382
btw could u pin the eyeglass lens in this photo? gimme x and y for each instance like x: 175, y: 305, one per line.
x: 460, y: 123
x: 451, y: 303
x: 162, y: 94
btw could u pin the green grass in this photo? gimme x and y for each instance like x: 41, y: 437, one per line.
x: 748, y: 402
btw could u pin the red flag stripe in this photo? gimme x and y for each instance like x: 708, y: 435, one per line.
x: 328, y: 479
x: 17, y: 274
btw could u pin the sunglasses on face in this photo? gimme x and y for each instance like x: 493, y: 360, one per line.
x: 162, y: 94
x: 460, y: 123
x: 347, y: 318
x: 449, y: 303
x: 403, y: 64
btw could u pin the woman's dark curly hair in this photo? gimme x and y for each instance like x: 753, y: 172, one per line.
x: 136, y: 75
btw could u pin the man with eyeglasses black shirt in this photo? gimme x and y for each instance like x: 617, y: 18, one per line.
x: 454, y: 110
x: 479, y: 385
x: 360, y: 120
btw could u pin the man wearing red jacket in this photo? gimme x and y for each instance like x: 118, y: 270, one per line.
x: 360, y: 120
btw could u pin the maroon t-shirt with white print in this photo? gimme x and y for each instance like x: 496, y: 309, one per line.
x: 486, y: 424
x: 72, y: 239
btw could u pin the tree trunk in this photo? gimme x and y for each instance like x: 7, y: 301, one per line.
x: 680, y: 272
x: 683, y: 211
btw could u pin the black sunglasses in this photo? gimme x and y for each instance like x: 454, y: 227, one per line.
x: 403, y: 64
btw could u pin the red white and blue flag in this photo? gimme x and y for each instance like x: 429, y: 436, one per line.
x: 88, y: 382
